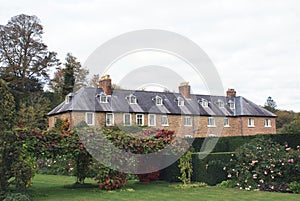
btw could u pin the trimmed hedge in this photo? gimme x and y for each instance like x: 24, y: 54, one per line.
x: 208, y: 170
x: 230, y: 144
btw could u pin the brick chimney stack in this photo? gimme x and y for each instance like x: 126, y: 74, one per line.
x: 185, y: 89
x: 105, y: 84
x: 231, y: 93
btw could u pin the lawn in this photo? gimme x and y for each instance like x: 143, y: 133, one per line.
x: 49, y: 187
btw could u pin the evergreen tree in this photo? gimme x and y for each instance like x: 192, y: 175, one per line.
x: 7, y: 107
x: 71, y: 78
x: 270, y: 105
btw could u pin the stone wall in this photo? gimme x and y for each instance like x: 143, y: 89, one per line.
x: 199, y: 127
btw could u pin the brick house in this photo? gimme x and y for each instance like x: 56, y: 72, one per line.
x: 185, y: 113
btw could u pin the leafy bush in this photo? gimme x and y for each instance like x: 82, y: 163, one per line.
x: 109, y: 179
x: 265, y: 165
x: 16, y: 197
x: 294, y: 187
x: 227, y: 184
x: 186, y: 168
x: 16, y: 162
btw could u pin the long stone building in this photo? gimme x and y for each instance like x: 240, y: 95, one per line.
x: 189, y: 115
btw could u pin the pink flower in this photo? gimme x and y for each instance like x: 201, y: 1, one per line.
x: 255, y: 176
x: 291, y: 160
x: 229, y: 175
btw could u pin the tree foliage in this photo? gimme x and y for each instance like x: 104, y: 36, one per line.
x: 33, y: 110
x: 7, y: 107
x: 69, y: 79
x: 270, y: 104
x: 16, y: 162
x: 25, y: 59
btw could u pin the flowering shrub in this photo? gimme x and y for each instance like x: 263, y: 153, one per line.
x: 264, y: 165
x: 17, y: 166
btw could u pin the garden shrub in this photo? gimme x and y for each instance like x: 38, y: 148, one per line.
x: 211, y: 168
x: 294, y: 187
x: 17, y: 197
x: 17, y: 166
x: 109, y: 179
x: 185, y: 168
x: 265, y: 165
x: 226, y: 184
x: 231, y: 143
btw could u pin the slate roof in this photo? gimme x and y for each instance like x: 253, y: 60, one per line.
x: 86, y: 99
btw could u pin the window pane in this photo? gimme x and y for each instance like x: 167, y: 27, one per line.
x: 151, y: 120
x: 127, y: 119
x: 109, y: 119
x: 90, y: 118
x: 187, y: 121
x: 164, y: 120
x: 140, y: 119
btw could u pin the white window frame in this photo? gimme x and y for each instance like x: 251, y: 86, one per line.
x: 68, y: 98
x: 267, y: 123
x: 226, y: 122
x: 112, y: 119
x: 158, y: 100
x: 87, y: 119
x: 162, y: 117
x: 132, y: 99
x: 124, y: 119
x: 136, y: 119
x: 251, y: 122
x: 211, y: 122
x: 154, y: 119
x: 220, y: 103
x: 187, y: 121
x: 100, y: 96
x: 180, y: 101
x: 231, y: 105
x: 204, y: 103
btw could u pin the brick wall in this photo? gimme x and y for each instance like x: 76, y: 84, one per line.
x: 199, y: 128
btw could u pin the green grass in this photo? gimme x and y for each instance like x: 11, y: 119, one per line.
x: 59, y: 188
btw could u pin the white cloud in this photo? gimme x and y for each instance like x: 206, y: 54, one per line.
x: 254, y: 44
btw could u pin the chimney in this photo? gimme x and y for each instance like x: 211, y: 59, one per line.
x: 105, y: 84
x: 185, y: 89
x: 231, y: 93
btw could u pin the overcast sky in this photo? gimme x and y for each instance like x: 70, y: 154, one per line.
x: 254, y: 44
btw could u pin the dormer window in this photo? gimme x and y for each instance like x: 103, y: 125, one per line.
x: 204, y: 102
x: 180, y: 101
x: 231, y: 105
x: 158, y: 100
x: 132, y: 99
x: 220, y: 103
x: 68, y: 98
x: 102, y: 98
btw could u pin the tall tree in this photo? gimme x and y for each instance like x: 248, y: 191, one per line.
x: 25, y: 60
x: 33, y: 110
x: 270, y: 104
x: 7, y: 107
x: 69, y: 79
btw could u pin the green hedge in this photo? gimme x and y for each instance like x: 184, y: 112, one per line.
x: 230, y: 144
x: 208, y: 170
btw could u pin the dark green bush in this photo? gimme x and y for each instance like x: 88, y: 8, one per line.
x: 294, y: 187
x: 208, y: 170
x: 17, y: 166
x: 17, y: 197
x: 230, y: 144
